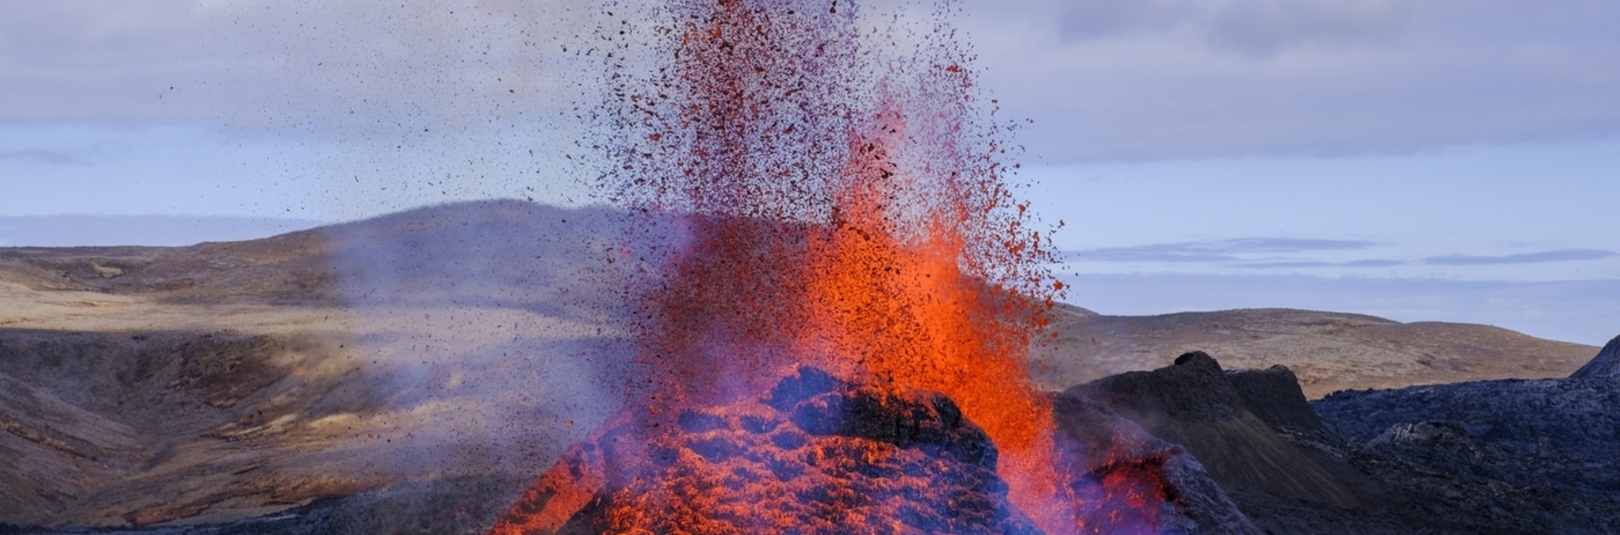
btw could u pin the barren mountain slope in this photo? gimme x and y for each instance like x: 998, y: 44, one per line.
x: 218, y: 381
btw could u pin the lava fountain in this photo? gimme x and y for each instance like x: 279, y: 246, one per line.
x: 841, y: 200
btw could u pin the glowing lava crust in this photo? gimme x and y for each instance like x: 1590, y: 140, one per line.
x: 816, y: 455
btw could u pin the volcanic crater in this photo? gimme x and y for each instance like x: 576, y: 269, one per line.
x: 818, y: 454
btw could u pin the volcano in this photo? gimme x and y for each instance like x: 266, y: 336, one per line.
x: 823, y: 454
x: 817, y: 454
x: 841, y: 201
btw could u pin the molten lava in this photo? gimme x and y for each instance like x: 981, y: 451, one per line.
x: 841, y: 206
x: 815, y: 455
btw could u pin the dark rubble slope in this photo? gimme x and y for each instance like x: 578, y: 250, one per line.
x: 1193, y: 403
x: 1417, y: 478
x: 1554, y: 434
x: 1605, y: 365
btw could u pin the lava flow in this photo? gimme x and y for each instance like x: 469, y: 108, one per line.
x: 839, y: 205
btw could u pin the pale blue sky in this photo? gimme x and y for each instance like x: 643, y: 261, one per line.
x: 1335, y: 140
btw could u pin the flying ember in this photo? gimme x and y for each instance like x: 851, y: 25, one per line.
x: 844, y: 219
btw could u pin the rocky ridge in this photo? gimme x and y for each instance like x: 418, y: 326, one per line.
x: 1605, y: 365
x: 1488, y: 457
x: 1556, y: 435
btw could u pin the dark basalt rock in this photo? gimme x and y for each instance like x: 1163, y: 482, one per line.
x: 1561, y: 434
x: 1196, y: 404
x: 1193, y: 390
x: 1108, y: 447
x: 1274, y: 396
x: 1517, y: 457
x: 823, y: 405
x: 1605, y: 365
x: 1510, y: 456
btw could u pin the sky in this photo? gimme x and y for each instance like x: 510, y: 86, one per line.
x: 1360, y: 155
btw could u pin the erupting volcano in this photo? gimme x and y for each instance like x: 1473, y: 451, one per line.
x: 841, y: 200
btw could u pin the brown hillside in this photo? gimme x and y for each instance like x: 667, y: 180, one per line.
x: 1329, y: 351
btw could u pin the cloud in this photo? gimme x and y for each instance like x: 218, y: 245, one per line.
x: 1249, y: 27
x: 1278, y: 245
x: 1262, y: 28
x: 352, y: 67
x: 1107, y: 80
x: 1218, y: 251
x: 1369, y: 263
x: 1561, y: 255
x: 1151, y: 253
x: 1121, y: 80
x: 1083, y: 20
x: 1376, y: 262
x: 1295, y: 253
x: 48, y: 157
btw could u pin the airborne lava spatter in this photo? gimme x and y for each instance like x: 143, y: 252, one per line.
x: 842, y: 206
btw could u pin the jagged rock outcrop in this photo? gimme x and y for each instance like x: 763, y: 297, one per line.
x: 1193, y: 403
x: 1274, y: 396
x: 1443, y: 459
x: 1559, y: 434
x: 1510, y: 456
x: 1110, y: 448
x: 1605, y: 365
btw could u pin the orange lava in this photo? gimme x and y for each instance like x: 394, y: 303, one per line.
x: 792, y: 462
x: 842, y: 208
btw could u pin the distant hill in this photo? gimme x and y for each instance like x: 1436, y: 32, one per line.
x: 72, y: 230
x: 469, y: 252
x: 1329, y: 351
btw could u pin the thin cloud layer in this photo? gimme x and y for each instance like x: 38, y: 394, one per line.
x: 1256, y: 28
x: 1368, y: 263
x: 325, y: 68
x: 1337, y: 256
x: 1562, y: 255
x: 47, y: 157
x: 1113, y: 80
x: 1219, y: 251
x: 1107, y: 80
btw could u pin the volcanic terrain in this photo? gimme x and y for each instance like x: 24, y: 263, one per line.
x: 450, y: 355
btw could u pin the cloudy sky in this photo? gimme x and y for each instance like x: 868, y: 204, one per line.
x: 1447, y: 155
